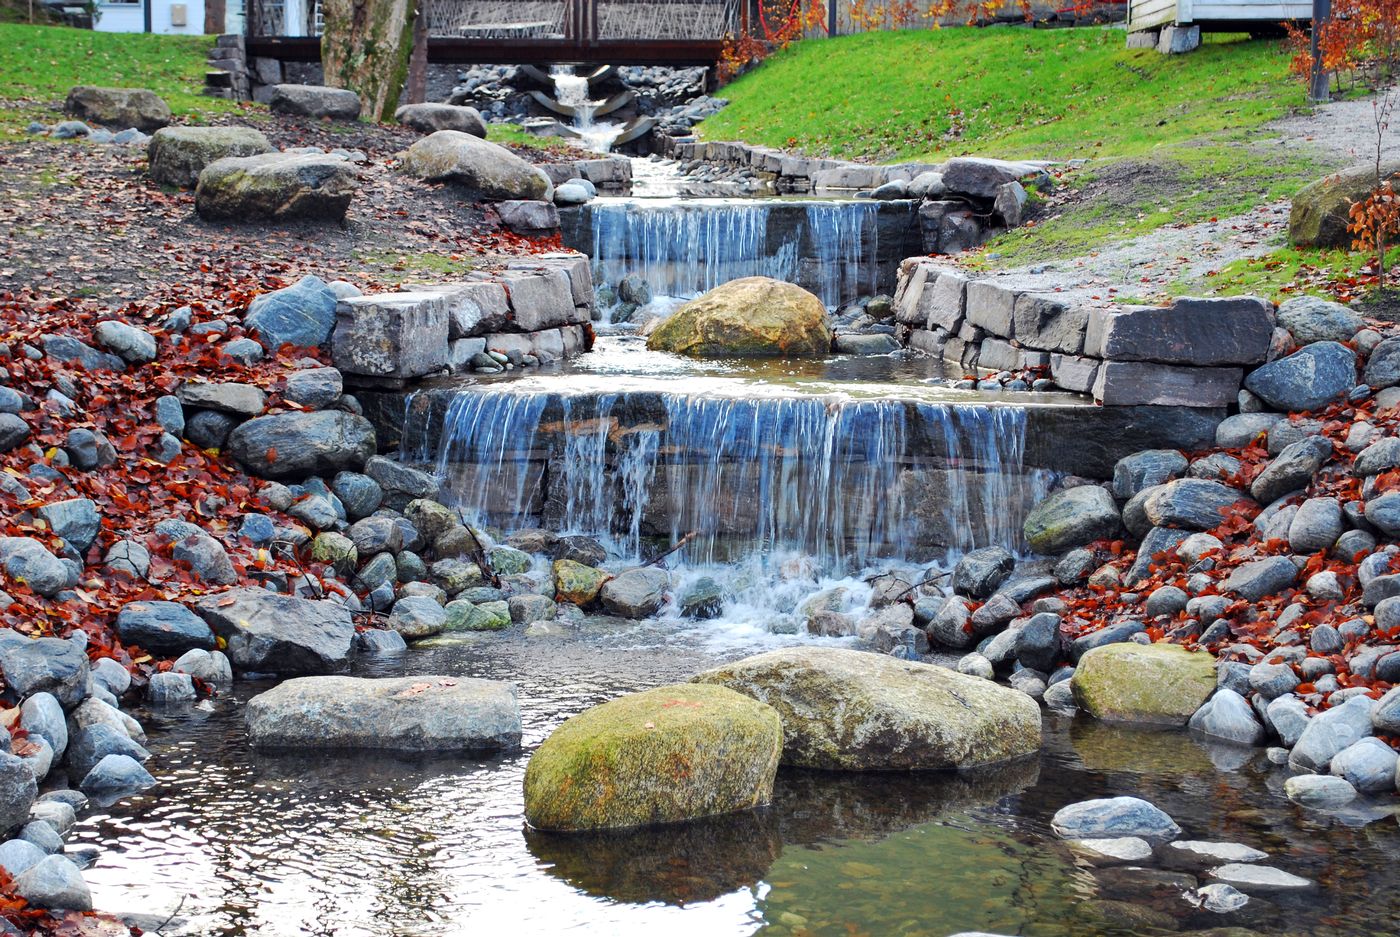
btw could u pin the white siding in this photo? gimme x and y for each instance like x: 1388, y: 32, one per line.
x: 1143, y: 14
x: 1238, y: 10
x: 130, y: 18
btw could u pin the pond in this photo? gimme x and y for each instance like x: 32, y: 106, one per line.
x: 369, y: 844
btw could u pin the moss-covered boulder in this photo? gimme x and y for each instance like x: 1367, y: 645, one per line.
x: 666, y: 755
x: 751, y: 317
x: 463, y: 615
x: 857, y: 711
x: 1157, y: 684
x: 1321, y: 209
x: 118, y: 108
x: 177, y: 155
x: 275, y: 187
x: 1071, y: 518
x: 576, y: 583
x: 480, y: 169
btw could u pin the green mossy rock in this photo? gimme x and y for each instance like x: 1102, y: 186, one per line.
x: 276, y: 187
x: 666, y: 755
x: 858, y: 711
x: 1070, y: 518
x: 1321, y: 209
x: 751, y: 317
x: 577, y: 583
x: 177, y: 155
x: 480, y: 169
x: 1157, y: 684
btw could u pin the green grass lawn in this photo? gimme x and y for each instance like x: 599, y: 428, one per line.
x: 1008, y: 92
x: 38, y: 64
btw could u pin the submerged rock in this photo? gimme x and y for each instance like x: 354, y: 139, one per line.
x: 855, y: 711
x: 1114, y: 817
x: 662, y: 756
x: 414, y: 714
x: 749, y: 317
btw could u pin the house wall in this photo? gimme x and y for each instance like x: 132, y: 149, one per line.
x: 130, y: 18
x: 1144, y: 14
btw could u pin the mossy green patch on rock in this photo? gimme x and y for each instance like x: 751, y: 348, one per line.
x: 574, y: 582
x: 666, y: 755
x: 750, y: 317
x: 1161, y: 684
x: 1321, y: 210
x: 857, y: 711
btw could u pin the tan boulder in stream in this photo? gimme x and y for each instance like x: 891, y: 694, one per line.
x: 751, y: 317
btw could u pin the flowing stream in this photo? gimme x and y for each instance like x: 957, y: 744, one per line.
x: 572, y: 90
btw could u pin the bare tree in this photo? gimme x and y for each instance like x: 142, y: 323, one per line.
x: 365, y: 46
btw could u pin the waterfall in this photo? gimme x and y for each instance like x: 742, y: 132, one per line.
x: 683, y: 248
x: 572, y: 90
x: 845, y: 482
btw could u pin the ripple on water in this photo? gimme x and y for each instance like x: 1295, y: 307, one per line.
x: 368, y: 844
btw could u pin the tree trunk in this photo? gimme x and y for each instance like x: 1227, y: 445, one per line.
x: 416, y: 89
x: 365, y: 47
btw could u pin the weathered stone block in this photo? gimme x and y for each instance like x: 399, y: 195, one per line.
x: 999, y: 355
x: 991, y: 306
x: 1048, y: 323
x: 945, y: 301
x: 1130, y: 383
x: 930, y: 342
x: 1202, y: 332
x: 396, y: 335
x: 473, y: 308
x: 909, y: 294
x: 540, y: 300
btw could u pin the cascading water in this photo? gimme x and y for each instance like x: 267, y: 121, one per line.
x: 572, y: 91
x: 846, y: 483
x: 684, y: 247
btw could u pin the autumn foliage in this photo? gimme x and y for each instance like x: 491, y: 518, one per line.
x: 1360, y: 44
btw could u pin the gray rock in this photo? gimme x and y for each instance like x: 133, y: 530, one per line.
x: 170, y: 687
x: 209, y: 429
x: 245, y: 351
x: 482, y: 170
x: 69, y: 350
x: 1320, y: 790
x: 1144, y: 469
x: 314, y: 101
x: 116, y: 776
x: 977, y: 666
x: 1227, y: 715
x: 1191, y: 504
x: 112, y: 675
x: 1038, y: 643
x: 301, y: 315
x: 1309, y: 379
x: 91, y: 743
x: 54, y: 882
x: 702, y: 599
x: 1312, y: 319
x: 1384, y: 513
x: 295, y: 445
x: 212, y: 667
x: 951, y: 624
x: 25, y: 560
x: 635, y: 593
x: 1272, y: 680
x: 164, y: 628
x: 429, y: 118
x: 417, y: 617
x: 1293, y: 469
x: 1330, y: 732
x: 42, y: 715
x: 270, y: 633
x: 1368, y: 765
x: 1165, y: 600
x: 138, y: 108
x: 380, y: 642
x: 1114, y: 817
x: 17, y: 791
x: 74, y: 519
x: 527, y: 609
x: 1380, y: 456
x: 13, y: 431
x: 1190, y: 855
x: 228, y: 397
x: 419, y: 714
x: 88, y: 450
x: 176, y: 155
x: 1383, y: 366
x: 276, y: 187
x: 16, y: 855
x: 1071, y: 518
x: 206, y: 557
x: 314, y: 388
x: 1316, y: 526
x: 1261, y: 578
x: 133, y: 345
x: 360, y: 494
x: 38, y: 665
x: 979, y: 572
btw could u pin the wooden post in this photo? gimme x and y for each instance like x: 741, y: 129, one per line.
x: 832, y: 26
x: 416, y: 87
x: 1319, y: 88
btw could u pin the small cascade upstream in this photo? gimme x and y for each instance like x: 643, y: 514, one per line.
x: 844, y: 483
x: 684, y: 247
x: 572, y: 90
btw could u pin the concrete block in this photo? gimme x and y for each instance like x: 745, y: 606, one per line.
x: 1175, y: 40
x: 1201, y: 332
x: 1045, y: 322
x: 1143, y: 39
x: 1074, y: 372
x: 991, y: 307
x: 999, y: 355
x: 1133, y: 383
x: 944, y: 301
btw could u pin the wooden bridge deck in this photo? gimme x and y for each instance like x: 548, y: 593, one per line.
x: 459, y: 51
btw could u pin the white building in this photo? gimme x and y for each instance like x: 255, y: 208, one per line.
x: 169, y: 17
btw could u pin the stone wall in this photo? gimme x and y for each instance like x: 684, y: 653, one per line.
x: 537, y: 310
x: 1193, y: 353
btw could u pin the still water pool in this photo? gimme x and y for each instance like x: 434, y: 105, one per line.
x: 367, y: 844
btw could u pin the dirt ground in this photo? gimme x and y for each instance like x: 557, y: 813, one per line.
x: 83, y: 220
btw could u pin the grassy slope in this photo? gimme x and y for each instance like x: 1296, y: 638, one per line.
x: 1168, y: 136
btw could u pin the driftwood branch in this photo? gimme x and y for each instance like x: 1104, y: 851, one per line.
x: 923, y: 582
x: 678, y: 544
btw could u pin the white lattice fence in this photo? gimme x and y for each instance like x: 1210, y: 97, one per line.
x: 667, y: 19
x: 499, y: 19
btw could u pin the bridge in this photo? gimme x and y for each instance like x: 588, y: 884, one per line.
x: 521, y: 32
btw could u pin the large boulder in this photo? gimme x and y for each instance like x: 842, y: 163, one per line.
x: 635, y: 593
x: 118, y: 108
x: 1309, y: 379
x: 1161, y: 684
x: 166, y: 628
x: 1071, y: 518
x: 302, y: 314
x: 430, y: 118
x: 1313, y: 319
x: 43, y: 665
x: 270, y: 633
x: 666, y: 755
x: 295, y: 445
x: 483, y: 170
x: 276, y: 187
x: 1321, y: 210
x: 314, y: 101
x: 27, y: 561
x: 407, y: 714
x: 753, y: 316
x: 177, y: 155
x: 857, y: 711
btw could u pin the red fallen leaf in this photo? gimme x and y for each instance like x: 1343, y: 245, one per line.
x: 271, y: 454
